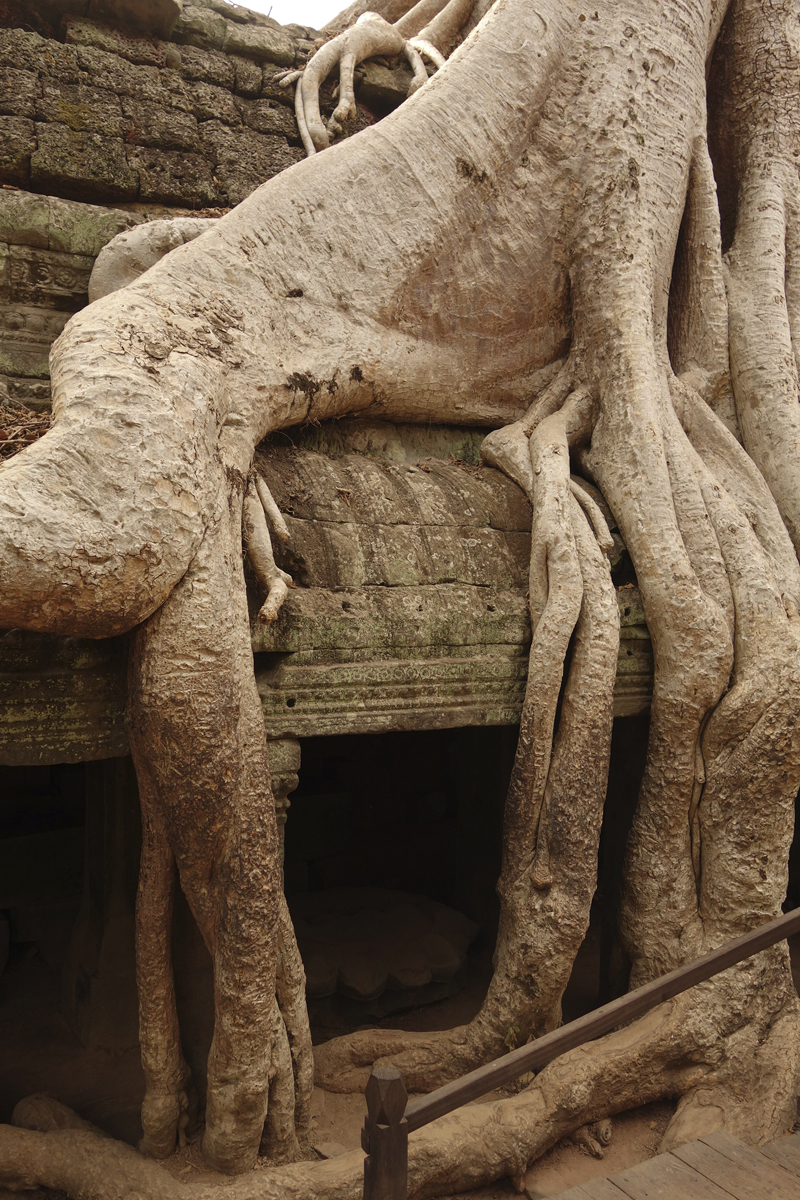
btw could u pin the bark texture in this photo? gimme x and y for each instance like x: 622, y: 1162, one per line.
x: 532, y: 244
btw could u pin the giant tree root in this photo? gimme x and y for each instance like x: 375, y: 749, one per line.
x: 729, y: 1049
x: 536, y: 191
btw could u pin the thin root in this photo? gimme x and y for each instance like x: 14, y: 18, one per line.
x: 428, y: 50
x: 259, y: 551
x: 274, y: 514
x: 595, y: 516
x: 300, y: 114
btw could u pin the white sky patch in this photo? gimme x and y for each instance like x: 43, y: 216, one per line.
x: 305, y: 12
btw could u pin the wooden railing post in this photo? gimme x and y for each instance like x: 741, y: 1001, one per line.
x: 384, y: 1137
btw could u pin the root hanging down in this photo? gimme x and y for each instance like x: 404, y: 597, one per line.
x: 553, y: 812
x: 258, y: 542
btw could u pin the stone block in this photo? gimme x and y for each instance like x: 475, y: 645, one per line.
x: 80, y: 32
x: 262, y: 43
x: 211, y: 103
x: 238, y: 13
x: 17, y: 144
x: 22, y: 49
x: 116, y: 74
x: 157, y: 17
x: 83, y: 109
x: 244, y: 159
x: 268, y: 116
x: 270, y: 74
x: 175, y: 177
x: 47, y: 279
x: 85, y: 228
x: 200, y: 27
x: 61, y: 699
x: 82, y: 164
x: 208, y: 66
x: 19, y: 91
x: 26, y: 335
x: 24, y: 219
x: 382, y: 87
x: 301, y: 31
x: 150, y: 124
x: 33, y: 393
x: 248, y: 77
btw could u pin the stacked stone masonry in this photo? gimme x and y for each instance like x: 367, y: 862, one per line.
x: 410, y: 614
x: 106, y: 113
x: 95, y: 105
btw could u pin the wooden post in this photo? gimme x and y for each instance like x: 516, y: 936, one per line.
x: 384, y: 1137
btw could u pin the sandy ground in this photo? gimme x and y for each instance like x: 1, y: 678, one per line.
x: 40, y: 1053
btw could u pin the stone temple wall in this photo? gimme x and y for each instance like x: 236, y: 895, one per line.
x: 117, y: 111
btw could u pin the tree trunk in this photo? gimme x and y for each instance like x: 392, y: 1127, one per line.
x: 503, y: 251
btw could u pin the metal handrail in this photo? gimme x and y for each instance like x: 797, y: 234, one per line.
x: 390, y: 1119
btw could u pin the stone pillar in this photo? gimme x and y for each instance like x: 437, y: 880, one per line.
x: 284, y: 763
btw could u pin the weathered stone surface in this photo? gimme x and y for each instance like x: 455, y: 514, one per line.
x: 268, y: 116
x: 341, y: 658
x: 84, y: 228
x: 351, y: 488
x: 393, y: 443
x: 245, y: 159
x: 61, y: 699
x: 418, y: 691
x: 82, y: 164
x: 247, y: 77
x: 200, y: 27
x: 393, y: 619
x: 263, y: 43
x: 26, y: 335
x: 208, y: 66
x: 175, y: 177
x: 17, y: 144
x: 19, y: 91
x: 270, y: 74
x: 376, y: 84
x: 116, y: 74
x: 5, y: 273
x: 238, y: 13
x: 83, y: 109
x: 148, y: 51
x: 48, y: 280
x: 210, y: 103
x: 152, y: 16
x: 24, y: 219
x: 34, y: 393
x: 148, y: 124
x: 22, y: 50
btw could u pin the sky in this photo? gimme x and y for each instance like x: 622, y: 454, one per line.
x: 305, y: 12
